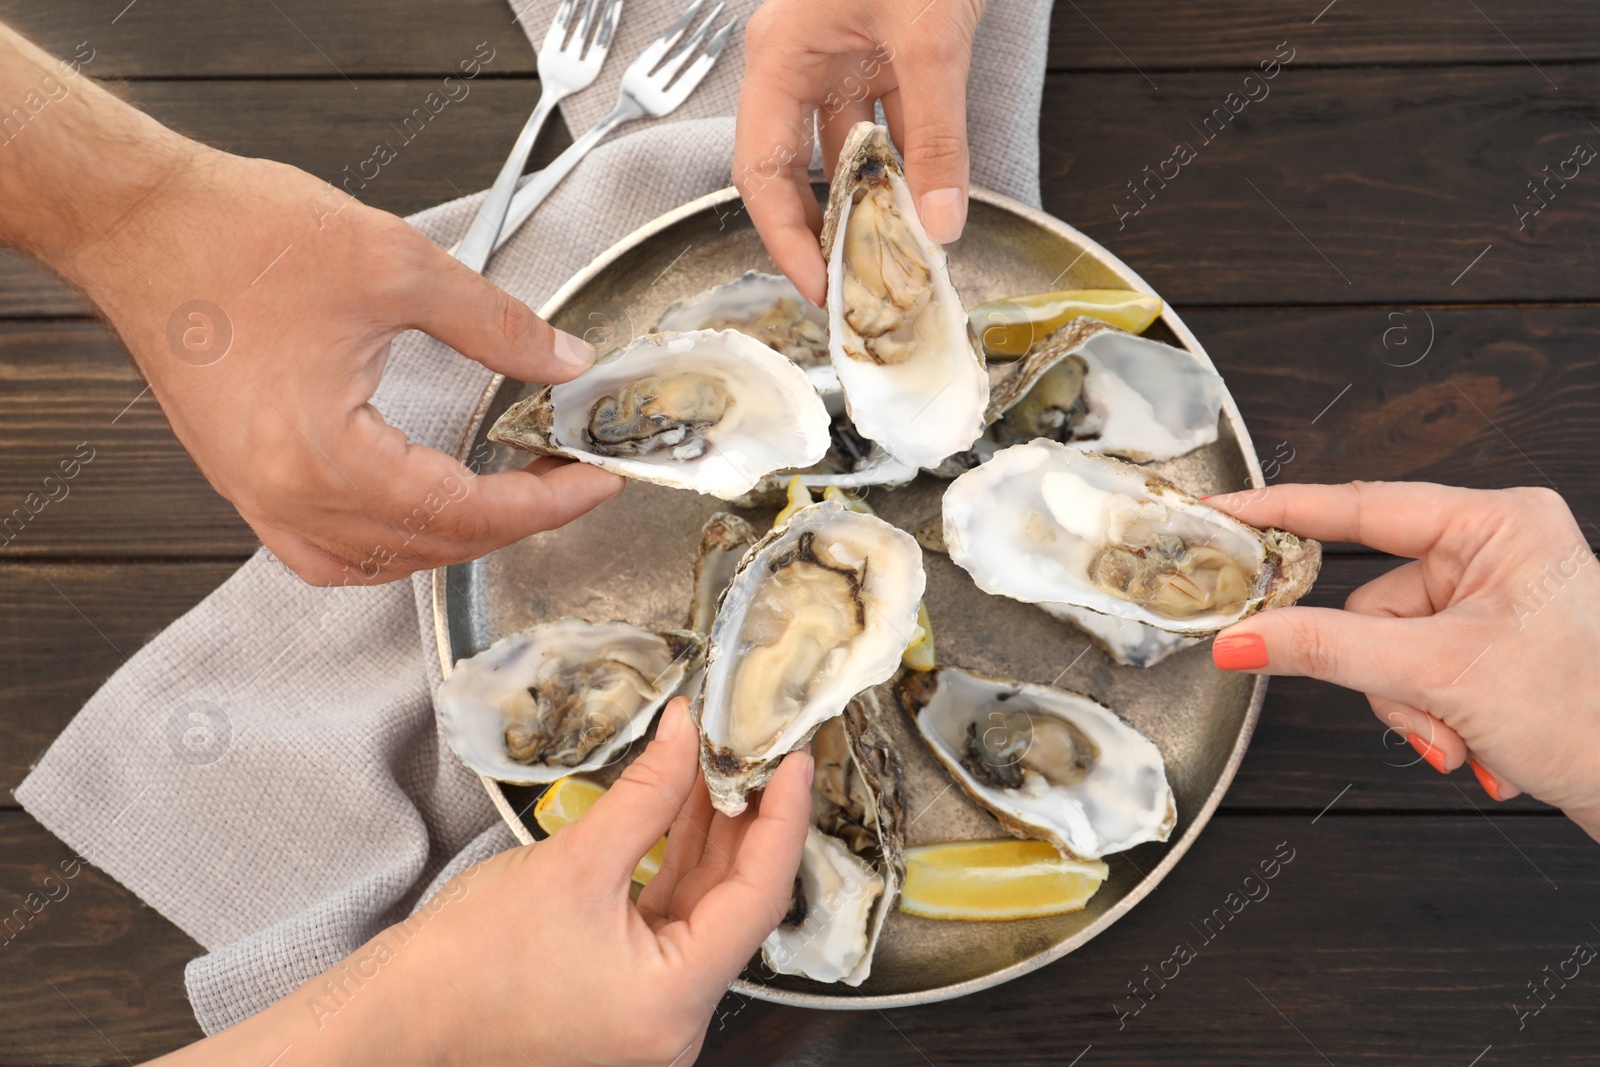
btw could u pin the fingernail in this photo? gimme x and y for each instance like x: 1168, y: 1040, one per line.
x: 811, y: 769
x: 944, y: 214
x: 1486, y: 778
x: 1428, y: 751
x: 574, y: 351
x: 671, y: 721
x: 1239, y: 652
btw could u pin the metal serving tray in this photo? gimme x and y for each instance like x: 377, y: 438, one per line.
x: 631, y: 559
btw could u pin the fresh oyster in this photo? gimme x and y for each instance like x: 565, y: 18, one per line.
x: 1048, y: 763
x: 854, y: 860
x: 852, y: 462
x: 561, y: 698
x: 1095, y: 387
x: 819, y: 609
x: 1046, y: 523
x: 705, y: 410
x: 913, y: 379
x: 724, y: 540
x: 769, y: 308
x: 1130, y: 643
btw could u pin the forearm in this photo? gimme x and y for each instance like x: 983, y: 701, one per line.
x: 78, y: 167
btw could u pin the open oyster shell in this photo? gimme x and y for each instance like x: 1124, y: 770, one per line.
x: 854, y: 858
x: 712, y: 411
x: 818, y: 610
x: 1095, y: 387
x: 1046, y: 523
x: 561, y: 698
x: 913, y: 378
x: 770, y: 309
x: 1048, y: 763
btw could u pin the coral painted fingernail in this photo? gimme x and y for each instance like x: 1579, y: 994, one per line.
x: 1428, y: 751
x: 944, y: 213
x: 1239, y: 652
x: 1486, y: 778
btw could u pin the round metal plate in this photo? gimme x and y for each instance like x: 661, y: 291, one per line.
x: 631, y: 559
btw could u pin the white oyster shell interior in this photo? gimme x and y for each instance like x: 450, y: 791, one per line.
x: 833, y: 941
x: 776, y: 419
x: 1123, y: 800
x: 1130, y: 643
x: 486, y: 692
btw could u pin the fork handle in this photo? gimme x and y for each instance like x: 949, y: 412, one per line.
x: 528, y: 198
x: 476, y: 246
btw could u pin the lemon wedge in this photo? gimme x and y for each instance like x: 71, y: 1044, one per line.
x: 1010, y: 327
x: 1000, y: 879
x: 567, y: 800
x: 919, y: 654
x: 799, y: 496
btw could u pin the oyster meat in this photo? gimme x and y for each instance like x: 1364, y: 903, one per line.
x: 1045, y: 523
x: 818, y: 610
x: 562, y: 698
x: 705, y: 410
x: 1047, y: 763
x: 1092, y: 386
x: 901, y: 344
x: 854, y: 860
x: 769, y: 308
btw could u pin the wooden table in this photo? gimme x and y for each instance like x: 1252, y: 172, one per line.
x: 1349, y: 250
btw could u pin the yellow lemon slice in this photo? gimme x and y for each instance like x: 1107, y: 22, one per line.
x: 1008, y: 328
x: 567, y: 800
x: 799, y: 496
x: 919, y: 655
x: 1001, y: 879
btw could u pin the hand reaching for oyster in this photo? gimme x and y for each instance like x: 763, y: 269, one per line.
x: 612, y: 981
x: 1481, y: 649
x: 841, y: 59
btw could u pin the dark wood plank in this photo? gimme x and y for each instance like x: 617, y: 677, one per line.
x: 357, y: 38
x: 1157, y: 35
x: 69, y: 394
x: 333, y: 131
x: 1505, y: 397
x: 91, y: 974
x: 1369, y: 186
x: 1382, y: 941
x: 68, y: 628
x: 367, y: 37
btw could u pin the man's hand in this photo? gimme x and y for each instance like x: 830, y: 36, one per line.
x: 260, y: 303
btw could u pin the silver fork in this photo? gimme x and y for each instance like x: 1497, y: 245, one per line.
x: 567, y: 63
x: 653, y: 85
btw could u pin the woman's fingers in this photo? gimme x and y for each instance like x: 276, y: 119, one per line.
x: 686, y: 843
x: 1495, y: 785
x: 1395, y: 658
x: 834, y: 128
x: 1431, y: 741
x: 732, y: 918
x: 1400, y: 593
x: 630, y: 818
x: 928, y: 116
x: 1402, y: 518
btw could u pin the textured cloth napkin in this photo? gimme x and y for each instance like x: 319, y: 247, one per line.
x: 267, y: 772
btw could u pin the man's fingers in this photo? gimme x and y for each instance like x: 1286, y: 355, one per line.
x: 1393, y: 658
x: 485, y: 323
x: 732, y: 919
x: 1401, y: 593
x: 630, y: 818
x: 1402, y: 518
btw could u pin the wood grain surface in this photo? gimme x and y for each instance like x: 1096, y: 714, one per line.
x: 1356, y: 248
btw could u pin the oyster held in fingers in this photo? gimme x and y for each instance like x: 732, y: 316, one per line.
x: 710, y: 411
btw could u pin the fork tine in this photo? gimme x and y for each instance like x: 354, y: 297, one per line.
x: 658, y: 48
x: 691, y: 47
x: 695, y: 71
x: 557, y: 34
x: 608, y: 24
x: 591, y: 15
x: 720, y: 41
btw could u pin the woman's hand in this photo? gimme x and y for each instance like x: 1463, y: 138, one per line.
x: 1486, y: 647
x: 260, y: 304
x: 837, y: 58
x: 538, y: 955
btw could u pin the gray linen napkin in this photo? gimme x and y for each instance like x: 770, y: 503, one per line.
x: 267, y: 772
